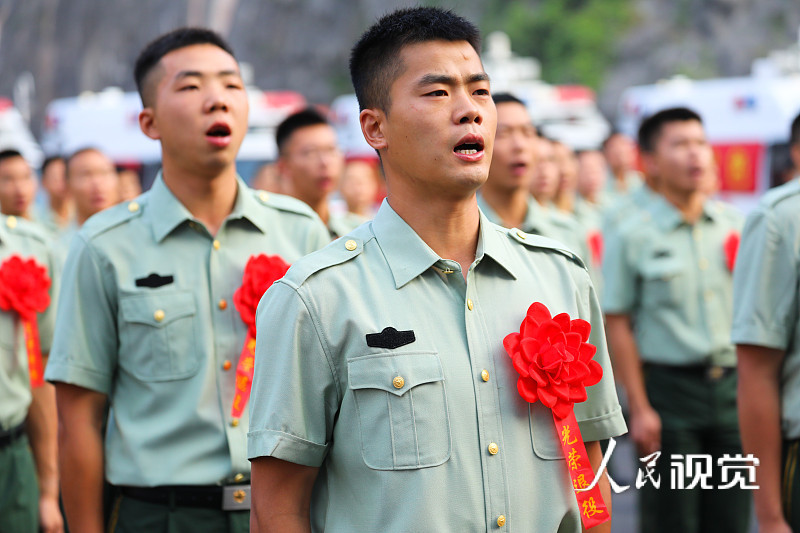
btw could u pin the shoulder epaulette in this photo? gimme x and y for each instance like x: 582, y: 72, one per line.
x: 773, y: 197
x: 114, y: 216
x: 543, y: 243
x: 26, y: 228
x: 339, y: 251
x: 282, y: 202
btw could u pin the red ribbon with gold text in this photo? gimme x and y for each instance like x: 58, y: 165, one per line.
x: 24, y: 286
x: 260, y: 272
x: 555, y: 365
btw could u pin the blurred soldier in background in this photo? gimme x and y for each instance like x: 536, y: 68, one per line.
x: 17, y: 185
x: 620, y: 155
x: 766, y: 330
x: 59, y: 212
x: 360, y: 184
x: 668, y: 308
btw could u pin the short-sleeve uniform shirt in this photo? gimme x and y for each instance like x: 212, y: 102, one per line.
x: 420, y: 427
x: 766, y: 282
x: 674, y: 280
x: 146, y: 317
x: 28, y: 241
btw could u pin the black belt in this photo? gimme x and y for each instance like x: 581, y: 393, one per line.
x: 228, y: 498
x: 707, y: 372
x: 8, y: 437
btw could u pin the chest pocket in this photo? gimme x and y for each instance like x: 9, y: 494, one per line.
x: 402, y: 410
x: 663, y: 283
x: 543, y: 433
x: 158, y: 336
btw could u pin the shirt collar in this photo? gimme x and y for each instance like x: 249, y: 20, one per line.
x: 167, y: 212
x: 535, y: 216
x: 409, y: 256
x: 668, y: 217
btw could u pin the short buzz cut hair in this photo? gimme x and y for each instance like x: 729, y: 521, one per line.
x: 81, y: 151
x: 794, y: 132
x: 506, y: 98
x: 302, y: 119
x: 375, y: 59
x: 150, y: 56
x: 650, y: 128
x: 10, y: 153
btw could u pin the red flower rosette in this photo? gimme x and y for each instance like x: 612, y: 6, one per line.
x: 731, y: 248
x: 24, y: 286
x: 594, y: 240
x: 555, y: 365
x: 260, y: 273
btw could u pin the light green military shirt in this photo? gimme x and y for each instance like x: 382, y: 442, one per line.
x: 339, y: 225
x: 402, y: 431
x: 146, y: 317
x: 673, y: 280
x: 611, y: 192
x: 27, y: 240
x: 765, y: 294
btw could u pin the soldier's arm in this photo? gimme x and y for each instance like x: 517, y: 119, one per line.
x: 80, y: 422
x: 645, y: 422
x: 281, y: 496
x: 760, y: 425
x: 595, y: 453
x: 41, y: 427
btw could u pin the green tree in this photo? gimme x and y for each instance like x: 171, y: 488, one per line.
x: 573, y: 39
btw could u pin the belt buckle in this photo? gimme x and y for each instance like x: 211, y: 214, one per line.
x: 715, y: 373
x: 236, y: 498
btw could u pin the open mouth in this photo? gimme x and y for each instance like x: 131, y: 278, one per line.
x: 469, y: 145
x: 219, y: 130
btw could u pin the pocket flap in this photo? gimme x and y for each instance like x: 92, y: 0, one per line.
x: 394, y: 373
x: 663, y: 270
x: 157, y: 310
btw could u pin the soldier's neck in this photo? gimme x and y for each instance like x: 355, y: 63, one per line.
x: 511, y: 205
x: 209, y: 197
x: 690, y: 204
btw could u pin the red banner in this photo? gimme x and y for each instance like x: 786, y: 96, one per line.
x: 738, y: 165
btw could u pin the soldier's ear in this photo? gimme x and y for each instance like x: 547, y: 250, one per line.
x: 147, y: 123
x: 372, y: 126
x: 649, y: 164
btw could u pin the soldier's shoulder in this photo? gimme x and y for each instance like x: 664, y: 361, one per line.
x: 114, y: 217
x: 26, y: 229
x: 336, y: 253
x: 283, y: 204
x: 786, y: 194
x: 539, y: 244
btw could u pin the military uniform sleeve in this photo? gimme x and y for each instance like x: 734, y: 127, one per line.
x: 46, y: 321
x: 600, y: 416
x: 295, y: 395
x: 85, y: 345
x: 765, y: 284
x: 619, y: 277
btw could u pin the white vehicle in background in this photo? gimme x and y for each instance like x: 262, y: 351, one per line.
x: 746, y: 119
x: 108, y: 120
x: 15, y: 134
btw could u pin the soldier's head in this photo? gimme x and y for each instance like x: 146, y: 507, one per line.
x: 309, y: 159
x: 675, y: 151
x: 544, y: 183
x: 592, y: 174
x: 515, y: 146
x: 195, y: 102
x: 92, y: 182
x: 17, y: 184
x: 425, y: 101
x: 620, y: 152
x: 54, y: 171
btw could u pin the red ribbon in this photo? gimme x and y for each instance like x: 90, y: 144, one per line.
x: 555, y: 365
x: 594, y: 239
x: 260, y: 272
x: 731, y: 248
x: 24, y: 286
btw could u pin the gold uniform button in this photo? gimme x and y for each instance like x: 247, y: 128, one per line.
x: 501, y: 520
x: 226, y: 365
x: 263, y: 196
x: 238, y: 477
x: 216, y: 244
x: 133, y: 207
x: 11, y: 222
x: 398, y: 382
x: 521, y: 235
x: 159, y: 315
x: 235, y: 422
x: 708, y: 295
x: 222, y: 305
x: 469, y: 304
x: 239, y: 495
x: 485, y: 375
x: 351, y: 245
x: 703, y: 263
x: 493, y: 449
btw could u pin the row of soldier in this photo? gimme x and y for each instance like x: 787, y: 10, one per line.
x: 147, y: 338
